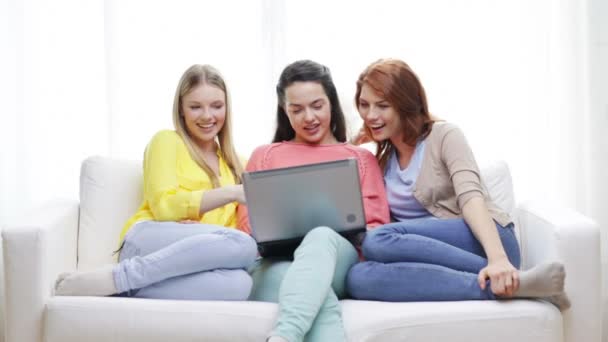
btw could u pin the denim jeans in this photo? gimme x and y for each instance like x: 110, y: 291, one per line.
x: 170, y: 260
x: 425, y: 260
x: 307, y: 288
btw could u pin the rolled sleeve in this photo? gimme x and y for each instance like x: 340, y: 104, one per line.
x: 468, y: 187
x: 194, y: 205
x: 462, y: 167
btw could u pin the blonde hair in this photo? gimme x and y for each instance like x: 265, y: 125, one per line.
x: 195, y: 76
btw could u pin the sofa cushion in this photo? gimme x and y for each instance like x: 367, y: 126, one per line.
x: 464, y: 321
x: 111, y: 191
x: 497, y: 179
x: 94, y: 319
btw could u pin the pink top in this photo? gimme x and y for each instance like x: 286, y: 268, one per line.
x: 286, y: 154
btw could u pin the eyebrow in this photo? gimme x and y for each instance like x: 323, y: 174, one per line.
x: 383, y: 101
x: 300, y: 105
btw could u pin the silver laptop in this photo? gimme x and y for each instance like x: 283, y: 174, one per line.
x: 284, y: 204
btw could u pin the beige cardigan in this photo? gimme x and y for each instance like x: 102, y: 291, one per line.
x: 449, y: 176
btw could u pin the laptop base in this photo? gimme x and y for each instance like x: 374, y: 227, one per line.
x: 286, y: 248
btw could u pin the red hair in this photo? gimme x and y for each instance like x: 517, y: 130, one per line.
x: 395, y: 81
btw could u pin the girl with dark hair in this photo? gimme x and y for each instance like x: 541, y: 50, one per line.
x: 310, y: 129
x: 449, y: 240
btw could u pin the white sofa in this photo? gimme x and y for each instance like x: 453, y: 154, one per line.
x: 66, y: 235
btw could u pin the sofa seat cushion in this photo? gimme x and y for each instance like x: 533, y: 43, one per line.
x: 465, y: 321
x: 97, y: 319
x: 93, y: 319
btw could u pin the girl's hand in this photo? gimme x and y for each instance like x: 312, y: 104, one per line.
x: 189, y: 221
x: 361, y: 137
x: 504, y: 278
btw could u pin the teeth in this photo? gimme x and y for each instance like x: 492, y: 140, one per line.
x: 206, y: 126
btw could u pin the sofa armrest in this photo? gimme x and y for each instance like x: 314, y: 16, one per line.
x: 43, y: 244
x: 551, y: 233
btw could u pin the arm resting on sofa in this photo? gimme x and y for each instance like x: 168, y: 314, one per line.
x: 550, y: 233
x: 43, y: 244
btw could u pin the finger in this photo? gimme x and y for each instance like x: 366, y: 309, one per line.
x: 481, y: 279
x: 508, y: 284
x: 515, y: 281
x: 498, y: 285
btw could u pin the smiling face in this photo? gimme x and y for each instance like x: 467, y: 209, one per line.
x: 204, y: 110
x: 309, y: 112
x: 379, y: 116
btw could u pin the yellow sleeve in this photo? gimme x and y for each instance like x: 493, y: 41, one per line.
x: 168, y: 202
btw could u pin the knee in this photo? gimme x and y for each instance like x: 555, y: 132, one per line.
x: 373, y: 243
x: 320, y: 238
x: 245, y: 248
x: 321, y: 233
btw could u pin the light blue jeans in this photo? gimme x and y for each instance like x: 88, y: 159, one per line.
x: 170, y: 260
x: 308, y: 288
x: 425, y: 260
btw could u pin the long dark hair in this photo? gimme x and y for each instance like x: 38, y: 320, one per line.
x: 305, y: 71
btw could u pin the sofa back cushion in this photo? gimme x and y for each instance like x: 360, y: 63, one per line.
x: 111, y: 191
x: 497, y: 179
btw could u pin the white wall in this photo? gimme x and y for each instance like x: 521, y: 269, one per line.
x: 55, y: 110
x: 150, y: 44
x: 97, y: 77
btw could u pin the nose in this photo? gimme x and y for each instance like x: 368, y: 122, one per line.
x: 370, y: 114
x: 205, y: 113
x: 309, y: 115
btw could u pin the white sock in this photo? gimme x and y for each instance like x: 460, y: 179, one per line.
x: 99, y: 282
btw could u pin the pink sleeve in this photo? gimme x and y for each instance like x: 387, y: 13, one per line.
x: 374, y: 194
x: 254, y: 164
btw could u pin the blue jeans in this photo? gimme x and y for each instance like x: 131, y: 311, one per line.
x: 308, y: 288
x: 425, y: 260
x: 170, y: 260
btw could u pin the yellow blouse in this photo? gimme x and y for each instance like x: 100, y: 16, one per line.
x: 174, y: 185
